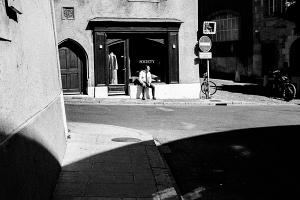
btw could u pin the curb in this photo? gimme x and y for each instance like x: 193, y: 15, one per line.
x: 203, y: 102
x: 171, y: 176
x: 196, y: 102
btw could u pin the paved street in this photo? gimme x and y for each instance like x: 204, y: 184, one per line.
x: 168, y: 123
x: 240, y: 144
x: 217, y: 152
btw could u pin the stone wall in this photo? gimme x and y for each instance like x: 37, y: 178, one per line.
x: 231, y: 59
x: 272, y: 29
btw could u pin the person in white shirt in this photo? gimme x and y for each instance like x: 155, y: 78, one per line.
x: 145, y: 80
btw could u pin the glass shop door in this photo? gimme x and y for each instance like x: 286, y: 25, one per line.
x: 117, y: 66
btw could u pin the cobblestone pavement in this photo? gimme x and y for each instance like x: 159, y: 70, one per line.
x: 247, y: 93
x: 228, y: 93
x: 112, y: 163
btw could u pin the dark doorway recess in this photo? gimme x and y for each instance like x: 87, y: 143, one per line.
x: 294, y: 58
x: 73, y: 67
x: 152, y: 52
x: 270, y: 56
x: 133, y: 53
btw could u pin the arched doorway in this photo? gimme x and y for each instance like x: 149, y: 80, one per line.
x: 73, y: 63
x: 294, y: 58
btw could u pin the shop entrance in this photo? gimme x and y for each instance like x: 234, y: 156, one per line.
x: 117, y: 66
x: 134, y: 42
x: 129, y: 55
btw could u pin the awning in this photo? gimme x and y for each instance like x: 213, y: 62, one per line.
x: 136, y: 20
x: 133, y: 22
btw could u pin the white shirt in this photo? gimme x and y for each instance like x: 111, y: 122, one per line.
x: 145, y: 77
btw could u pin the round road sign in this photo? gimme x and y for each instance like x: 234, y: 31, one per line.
x: 205, y: 43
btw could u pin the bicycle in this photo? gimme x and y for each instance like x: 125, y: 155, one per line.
x: 282, y: 86
x: 208, y: 87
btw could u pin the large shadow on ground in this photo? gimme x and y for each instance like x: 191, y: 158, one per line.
x: 252, y: 89
x: 247, y: 164
x: 129, y: 171
x: 28, y: 171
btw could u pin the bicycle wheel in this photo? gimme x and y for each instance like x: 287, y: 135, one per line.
x: 204, y: 87
x: 289, y: 92
x: 212, y: 88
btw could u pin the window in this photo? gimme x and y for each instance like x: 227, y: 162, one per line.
x: 276, y: 7
x: 3, y: 22
x: 15, y: 5
x: 68, y: 13
x: 9, y: 9
x: 228, y: 27
x: 226, y: 41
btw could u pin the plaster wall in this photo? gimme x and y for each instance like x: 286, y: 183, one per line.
x: 32, y: 119
x: 186, y: 11
x: 29, y: 70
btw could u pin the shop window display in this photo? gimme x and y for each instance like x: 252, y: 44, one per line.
x: 152, y: 52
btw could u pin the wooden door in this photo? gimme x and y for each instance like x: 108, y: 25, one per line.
x: 71, y: 66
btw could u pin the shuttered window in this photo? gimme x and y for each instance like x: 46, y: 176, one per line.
x: 274, y: 8
x: 228, y: 27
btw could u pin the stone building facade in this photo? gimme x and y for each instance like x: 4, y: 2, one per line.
x: 276, y: 40
x: 253, y: 38
x: 32, y: 118
x: 159, y: 33
x: 232, y: 44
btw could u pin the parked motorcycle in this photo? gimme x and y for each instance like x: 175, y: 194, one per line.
x: 282, y: 86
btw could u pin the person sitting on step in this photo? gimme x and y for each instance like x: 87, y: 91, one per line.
x: 145, y: 80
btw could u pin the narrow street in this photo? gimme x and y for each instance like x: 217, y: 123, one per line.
x: 215, y: 152
x: 167, y: 123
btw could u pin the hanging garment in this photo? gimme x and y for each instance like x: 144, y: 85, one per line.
x: 114, y: 77
x: 113, y: 67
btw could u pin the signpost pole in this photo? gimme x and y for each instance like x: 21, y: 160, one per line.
x: 200, y: 94
x: 209, y: 27
x: 207, y: 95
